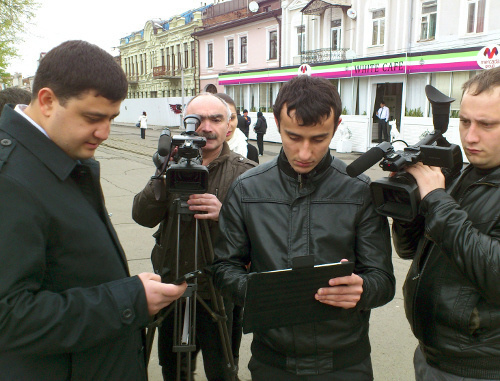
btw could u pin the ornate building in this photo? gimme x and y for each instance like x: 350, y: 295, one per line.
x: 161, y: 60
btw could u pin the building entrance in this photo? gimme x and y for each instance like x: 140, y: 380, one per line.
x: 392, y: 95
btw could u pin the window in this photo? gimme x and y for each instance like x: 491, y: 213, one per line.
x: 273, y: 44
x: 428, y: 25
x: 243, y: 49
x: 230, y: 51
x: 186, y: 55
x: 378, y: 27
x: 336, y: 28
x: 179, y: 56
x: 193, y: 54
x: 162, y: 57
x: 210, y: 55
x: 475, y: 16
x: 168, y: 58
x: 301, y: 39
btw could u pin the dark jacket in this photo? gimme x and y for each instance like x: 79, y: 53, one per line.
x: 149, y: 212
x: 68, y: 308
x: 243, y: 125
x: 261, y: 125
x: 272, y: 215
x: 252, y: 153
x: 452, y: 291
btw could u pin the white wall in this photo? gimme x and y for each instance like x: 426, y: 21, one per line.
x: 158, y: 111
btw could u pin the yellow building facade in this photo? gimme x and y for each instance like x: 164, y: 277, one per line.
x: 161, y: 60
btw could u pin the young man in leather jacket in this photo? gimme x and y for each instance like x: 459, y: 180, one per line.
x: 303, y: 203
x: 452, y: 291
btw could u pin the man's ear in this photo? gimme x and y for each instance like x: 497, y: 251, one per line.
x: 277, y: 124
x: 337, y: 126
x: 46, y: 101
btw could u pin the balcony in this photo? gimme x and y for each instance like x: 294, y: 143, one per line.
x: 133, y: 79
x: 160, y: 72
x: 320, y: 55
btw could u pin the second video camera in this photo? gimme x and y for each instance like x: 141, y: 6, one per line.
x: 398, y: 196
x: 180, y: 161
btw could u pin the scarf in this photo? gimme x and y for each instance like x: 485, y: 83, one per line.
x: 238, y: 143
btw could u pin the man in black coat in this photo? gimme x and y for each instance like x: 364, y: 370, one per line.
x: 452, y: 290
x: 69, y: 309
x: 243, y: 125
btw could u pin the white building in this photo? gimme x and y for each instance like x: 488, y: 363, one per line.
x: 382, y: 49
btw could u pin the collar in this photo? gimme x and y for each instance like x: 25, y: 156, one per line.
x: 225, y: 151
x: 286, y: 168
x: 26, y: 134
x: 20, y: 109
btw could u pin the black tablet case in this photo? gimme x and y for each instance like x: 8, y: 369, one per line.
x: 286, y: 297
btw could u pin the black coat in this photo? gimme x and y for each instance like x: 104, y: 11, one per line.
x: 243, y: 125
x: 261, y: 125
x: 68, y: 308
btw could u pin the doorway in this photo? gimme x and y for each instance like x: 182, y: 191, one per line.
x: 392, y: 95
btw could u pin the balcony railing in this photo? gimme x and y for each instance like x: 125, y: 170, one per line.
x: 160, y: 72
x: 133, y: 78
x: 320, y: 55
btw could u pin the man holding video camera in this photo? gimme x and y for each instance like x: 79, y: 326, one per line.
x: 69, y: 309
x: 302, y: 203
x: 452, y: 290
x: 224, y: 167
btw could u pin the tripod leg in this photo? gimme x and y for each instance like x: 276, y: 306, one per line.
x: 218, y: 311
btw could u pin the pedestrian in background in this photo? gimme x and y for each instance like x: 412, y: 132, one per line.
x: 260, y: 129
x: 383, y: 118
x: 143, y: 121
x: 248, y: 121
x: 242, y: 123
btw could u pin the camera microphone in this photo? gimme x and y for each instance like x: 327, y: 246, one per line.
x: 368, y: 159
x: 165, y: 143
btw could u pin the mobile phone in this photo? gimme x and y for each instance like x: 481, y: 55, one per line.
x: 187, y: 277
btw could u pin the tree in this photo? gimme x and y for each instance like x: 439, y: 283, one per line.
x: 14, y: 15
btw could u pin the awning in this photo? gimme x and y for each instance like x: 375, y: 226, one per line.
x: 317, y: 7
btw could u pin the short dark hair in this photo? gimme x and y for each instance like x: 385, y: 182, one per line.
x: 483, y: 81
x: 312, y: 98
x: 226, y: 98
x: 14, y: 95
x: 75, y: 67
x: 245, y: 110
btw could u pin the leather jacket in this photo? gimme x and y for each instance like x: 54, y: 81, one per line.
x: 271, y: 215
x: 148, y: 211
x: 452, y: 290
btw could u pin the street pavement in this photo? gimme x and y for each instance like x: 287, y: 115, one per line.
x: 126, y: 166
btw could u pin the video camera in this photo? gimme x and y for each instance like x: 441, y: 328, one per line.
x: 184, y: 174
x: 398, y: 196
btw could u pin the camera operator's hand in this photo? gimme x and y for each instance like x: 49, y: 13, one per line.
x: 158, y: 294
x: 345, y: 292
x: 207, y: 203
x: 428, y: 178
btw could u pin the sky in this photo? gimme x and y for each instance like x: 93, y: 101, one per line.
x: 101, y: 22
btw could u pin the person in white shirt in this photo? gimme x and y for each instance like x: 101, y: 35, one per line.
x: 383, y: 118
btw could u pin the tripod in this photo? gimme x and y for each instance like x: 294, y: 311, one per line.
x: 184, y: 309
